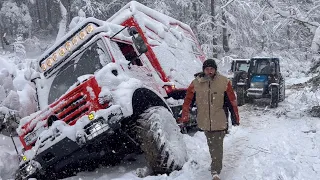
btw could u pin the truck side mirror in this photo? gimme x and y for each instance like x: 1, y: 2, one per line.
x: 137, y: 40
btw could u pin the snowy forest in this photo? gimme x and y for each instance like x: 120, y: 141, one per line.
x: 225, y: 29
x: 240, y: 28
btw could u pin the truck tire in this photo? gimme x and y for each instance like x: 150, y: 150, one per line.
x: 241, y: 95
x: 274, y: 96
x: 161, y: 141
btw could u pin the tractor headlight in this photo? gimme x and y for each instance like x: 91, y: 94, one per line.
x: 257, y: 85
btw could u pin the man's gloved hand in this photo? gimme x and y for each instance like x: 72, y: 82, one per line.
x: 183, y: 119
x: 235, y: 124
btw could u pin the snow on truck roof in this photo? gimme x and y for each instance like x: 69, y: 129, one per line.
x: 75, y: 38
x: 140, y: 11
x: 172, y: 41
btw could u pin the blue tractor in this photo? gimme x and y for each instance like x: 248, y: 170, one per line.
x: 264, y: 80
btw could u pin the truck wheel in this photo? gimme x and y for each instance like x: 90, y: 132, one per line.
x: 241, y: 96
x: 161, y: 141
x: 274, y: 96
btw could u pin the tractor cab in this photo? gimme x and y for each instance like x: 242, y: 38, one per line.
x: 238, y: 72
x: 265, y: 80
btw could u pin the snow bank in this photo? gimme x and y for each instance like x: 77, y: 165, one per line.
x: 5, y: 65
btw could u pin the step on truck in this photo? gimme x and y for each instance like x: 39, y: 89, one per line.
x: 108, y: 89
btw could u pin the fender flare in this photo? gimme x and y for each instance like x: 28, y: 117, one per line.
x: 273, y: 84
x: 144, y: 98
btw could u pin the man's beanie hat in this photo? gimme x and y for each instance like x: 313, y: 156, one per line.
x: 209, y: 63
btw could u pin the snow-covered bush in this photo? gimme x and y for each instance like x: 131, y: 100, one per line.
x: 17, y: 95
x: 32, y: 45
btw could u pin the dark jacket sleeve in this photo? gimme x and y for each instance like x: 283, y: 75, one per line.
x: 230, y: 104
x: 188, y: 100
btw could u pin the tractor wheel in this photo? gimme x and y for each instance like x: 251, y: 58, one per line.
x: 160, y: 140
x: 241, y: 95
x: 274, y: 96
x: 282, y: 91
x: 249, y: 100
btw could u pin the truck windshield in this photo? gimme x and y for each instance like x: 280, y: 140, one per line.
x: 87, y: 62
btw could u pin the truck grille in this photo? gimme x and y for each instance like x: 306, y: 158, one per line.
x: 74, y: 108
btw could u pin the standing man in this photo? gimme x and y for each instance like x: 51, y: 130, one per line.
x: 214, y: 99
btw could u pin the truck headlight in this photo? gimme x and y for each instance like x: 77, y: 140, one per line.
x: 32, y: 136
x: 96, y: 129
x: 31, y: 169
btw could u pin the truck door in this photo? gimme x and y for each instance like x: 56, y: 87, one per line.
x: 134, y: 65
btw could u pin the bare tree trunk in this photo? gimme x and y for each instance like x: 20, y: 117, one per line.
x: 41, y: 11
x: 288, y: 34
x: 225, y: 39
x: 1, y: 35
x: 214, y: 28
x: 49, y: 10
x: 194, y: 17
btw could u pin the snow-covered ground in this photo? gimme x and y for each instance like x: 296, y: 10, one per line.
x: 275, y: 144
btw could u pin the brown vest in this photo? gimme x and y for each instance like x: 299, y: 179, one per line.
x: 210, y: 99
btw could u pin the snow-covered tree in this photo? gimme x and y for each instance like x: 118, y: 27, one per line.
x: 19, y: 49
x: 97, y: 8
x: 81, y: 16
x: 15, y: 19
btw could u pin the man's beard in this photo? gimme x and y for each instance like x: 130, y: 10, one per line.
x: 209, y: 76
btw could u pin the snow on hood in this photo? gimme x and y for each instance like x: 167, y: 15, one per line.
x: 120, y: 87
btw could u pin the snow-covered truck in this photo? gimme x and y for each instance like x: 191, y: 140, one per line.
x: 107, y: 89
